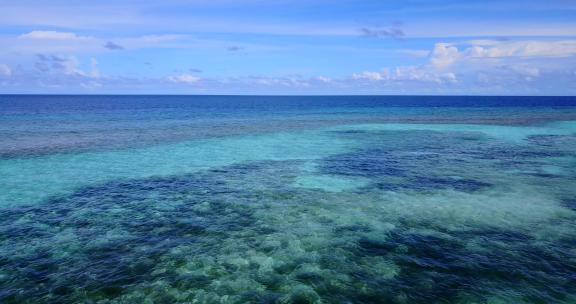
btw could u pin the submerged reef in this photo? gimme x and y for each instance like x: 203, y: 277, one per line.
x: 438, y: 217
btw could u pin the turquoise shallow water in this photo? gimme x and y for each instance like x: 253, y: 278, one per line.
x: 276, y: 200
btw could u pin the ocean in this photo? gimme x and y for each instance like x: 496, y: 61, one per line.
x: 287, y: 199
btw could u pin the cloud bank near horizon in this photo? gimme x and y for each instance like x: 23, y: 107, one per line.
x: 438, y: 47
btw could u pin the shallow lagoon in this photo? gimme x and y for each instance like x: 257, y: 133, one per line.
x: 337, y: 203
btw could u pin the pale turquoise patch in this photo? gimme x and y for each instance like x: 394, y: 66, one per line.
x: 329, y: 183
x: 29, y: 180
x: 554, y: 170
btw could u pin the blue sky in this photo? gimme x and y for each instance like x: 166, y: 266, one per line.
x: 289, y: 47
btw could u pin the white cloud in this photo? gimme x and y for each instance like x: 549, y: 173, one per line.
x: 512, y: 61
x: 406, y: 74
x: 485, y: 67
x: 184, y: 78
x: 444, y: 55
x: 423, y: 74
x: 95, y: 71
x: 495, y: 49
x: 371, y: 76
x: 52, y: 35
x: 58, y: 66
x: 5, y: 70
x: 292, y: 81
x: 483, y: 42
x: 68, y: 65
x: 51, y: 42
x: 323, y: 79
x: 55, y: 42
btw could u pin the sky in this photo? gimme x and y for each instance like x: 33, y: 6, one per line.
x: 295, y: 47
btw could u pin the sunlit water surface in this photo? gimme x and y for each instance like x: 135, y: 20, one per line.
x: 155, y: 199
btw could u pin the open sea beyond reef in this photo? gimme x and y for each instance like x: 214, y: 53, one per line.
x: 223, y: 199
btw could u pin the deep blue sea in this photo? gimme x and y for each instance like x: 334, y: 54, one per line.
x: 262, y: 199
